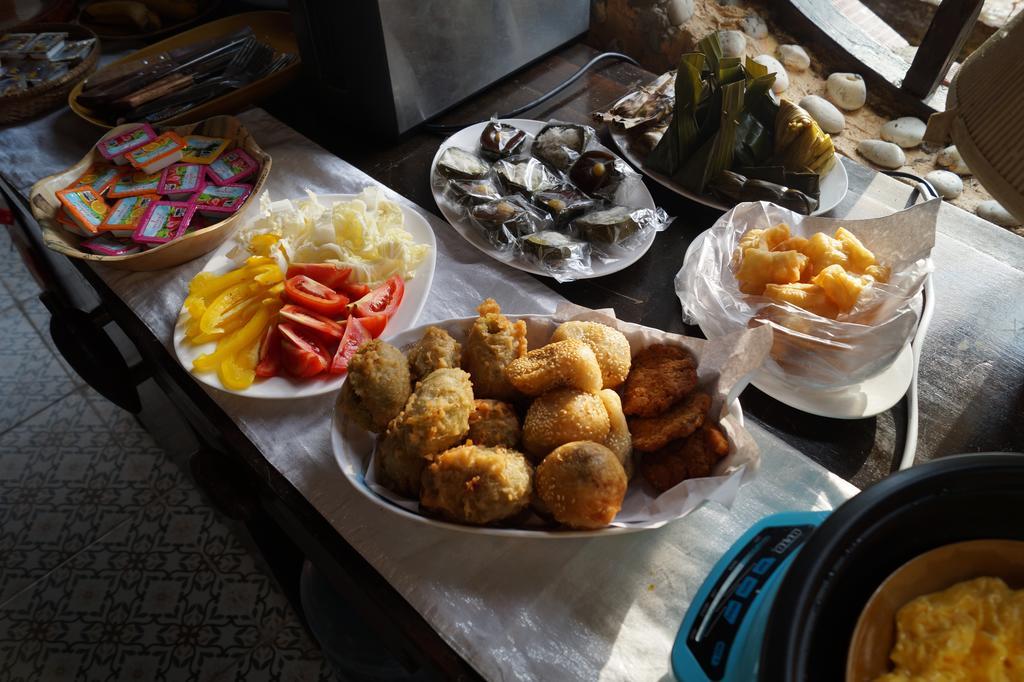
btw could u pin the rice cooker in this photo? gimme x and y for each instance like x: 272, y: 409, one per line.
x: 783, y: 602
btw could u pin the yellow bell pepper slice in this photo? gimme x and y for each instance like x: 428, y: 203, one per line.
x: 208, y: 285
x: 222, y: 305
x: 200, y: 339
x: 239, y: 371
x: 231, y: 344
x: 269, y: 275
x: 258, y: 260
x: 195, y: 305
x: 260, y: 244
x: 276, y: 289
x: 192, y: 330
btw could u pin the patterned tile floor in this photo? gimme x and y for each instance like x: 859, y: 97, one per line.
x: 112, y: 565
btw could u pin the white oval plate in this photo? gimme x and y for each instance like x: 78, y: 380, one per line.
x: 832, y: 190
x: 469, y: 139
x: 868, y: 398
x: 284, y: 387
x: 353, y: 446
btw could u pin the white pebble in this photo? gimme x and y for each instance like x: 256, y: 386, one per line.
x: 884, y: 154
x: 907, y: 131
x: 825, y: 113
x: 679, y: 11
x: 794, y: 57
x: 994, y: 212
x: 774, y: 66
x: 847, y: 90
x: 948, y: 185
x: 734, y: 43
x: 754, y: 26
x: 950, y: 158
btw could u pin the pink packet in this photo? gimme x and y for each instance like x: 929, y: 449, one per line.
x: 125, y: 216
x: 164, y: 221
x: 215, y: 201
x: 181, y: 180
x: 106, y: 245
x: 115, y: 147
x: 232, y: 167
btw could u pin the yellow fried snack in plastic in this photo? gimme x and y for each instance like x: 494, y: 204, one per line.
x: 860, y: 256
x: 810, y: 297
x: 751, y: 239
x: 774, y: 236
x: 879, y: 273
x: 825, y: 251
x: 791, y: 244
x: 759, y: 268
x: 841, y: 287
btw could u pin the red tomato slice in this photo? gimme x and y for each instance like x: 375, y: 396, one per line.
x: 301, y: 355
x: 328, y: 274
x: 353, y: 290
x: 269, y: 364
x: 374, y: 324
x: 383, y: 300
x: 355, y: 336
x: 310, y: 294
x: 307, y: 318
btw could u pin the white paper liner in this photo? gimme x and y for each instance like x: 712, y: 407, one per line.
x: 724, y: 367
x: 812, y: 351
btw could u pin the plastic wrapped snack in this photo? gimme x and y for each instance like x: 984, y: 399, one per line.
x: 459, y: 163
x: 812, y: 350
x: 525, y: 175
x: 559, y: 254
x: 618, y: 228
x: 599, y: 173
x: 506, y: 220
x: 563, y: 203
x: 471, y: 192
x: 560, y: 144
x: 501, y: 140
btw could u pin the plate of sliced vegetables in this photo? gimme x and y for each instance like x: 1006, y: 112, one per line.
x: 278, y: 311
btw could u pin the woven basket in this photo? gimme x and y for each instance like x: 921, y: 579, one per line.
x: 983, y: 112
x: 45, y: 205
x: 52, y: 94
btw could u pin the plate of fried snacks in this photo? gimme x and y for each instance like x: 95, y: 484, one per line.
x: 545, y: 198
x: 714, y: 132
x: 547, y: 426
x: 843, y: 296
x: 279, y: 311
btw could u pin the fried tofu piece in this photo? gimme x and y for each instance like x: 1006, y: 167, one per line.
x: 682, y: 419
x: 661, y: 375
x: 760, y: 268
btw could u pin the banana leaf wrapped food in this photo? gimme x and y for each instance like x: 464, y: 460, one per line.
x: 738, y: 188
x: 800, y: 143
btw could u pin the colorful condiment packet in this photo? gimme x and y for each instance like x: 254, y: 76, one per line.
x: 115, y: 147
x: 132, y: 184
x: 105, y: 245
x: 100, y: 177
x: 12, y: 45
x: 164, y: 221
x: 216, y: 200
x: 74, y: 49
x: 46, y: 45
x: 126, y: 215
x: 85, y: 207
x: 12, y: 85
x: 181, y: 180
x: 232, y: 167
x: 157, y: 154
x: 203, y: 150
x: 41, y: 72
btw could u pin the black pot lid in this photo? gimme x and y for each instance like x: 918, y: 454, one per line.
x: 953, y: 499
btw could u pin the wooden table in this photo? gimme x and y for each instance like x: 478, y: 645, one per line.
x: 971, y: 380
x: 971, y: 377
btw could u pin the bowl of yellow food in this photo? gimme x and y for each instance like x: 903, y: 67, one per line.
x: 953, y: 613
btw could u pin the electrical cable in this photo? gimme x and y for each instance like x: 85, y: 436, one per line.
x: 447, y: 129
x: 927, y: 307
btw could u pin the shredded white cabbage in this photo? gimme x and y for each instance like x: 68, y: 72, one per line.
x: 365, y: 234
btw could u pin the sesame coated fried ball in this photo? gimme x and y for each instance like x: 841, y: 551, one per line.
x: 581, y: 484
x: 494, y: 423
x: 618, y: 439
x: 562, y: 416
x: 609, y: 345
x: 477, y: 485
x: 570, y: 363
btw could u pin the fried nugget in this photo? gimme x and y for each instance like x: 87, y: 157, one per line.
x: 477, y: 485
x: 435, y: 350
x: 562, y: 416
x: 376, y: 387
x: 661, y: 375
x: 494, y: 423
x: 609, y: 345
x: 581, y: 484
x: 653, y: 433
x: 435, y: 418
x: 618, y: 439
x: 692, y: 457
x: 563, y: 364
x: 492, y: 343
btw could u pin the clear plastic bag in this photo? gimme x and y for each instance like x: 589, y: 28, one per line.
x: 503, y: 222
x: 615, y: 230
x: 810, y: 350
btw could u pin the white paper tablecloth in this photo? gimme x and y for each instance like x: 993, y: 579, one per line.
x: 545, y: 609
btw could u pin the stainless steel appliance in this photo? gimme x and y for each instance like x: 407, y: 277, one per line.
x: 396, y: 63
